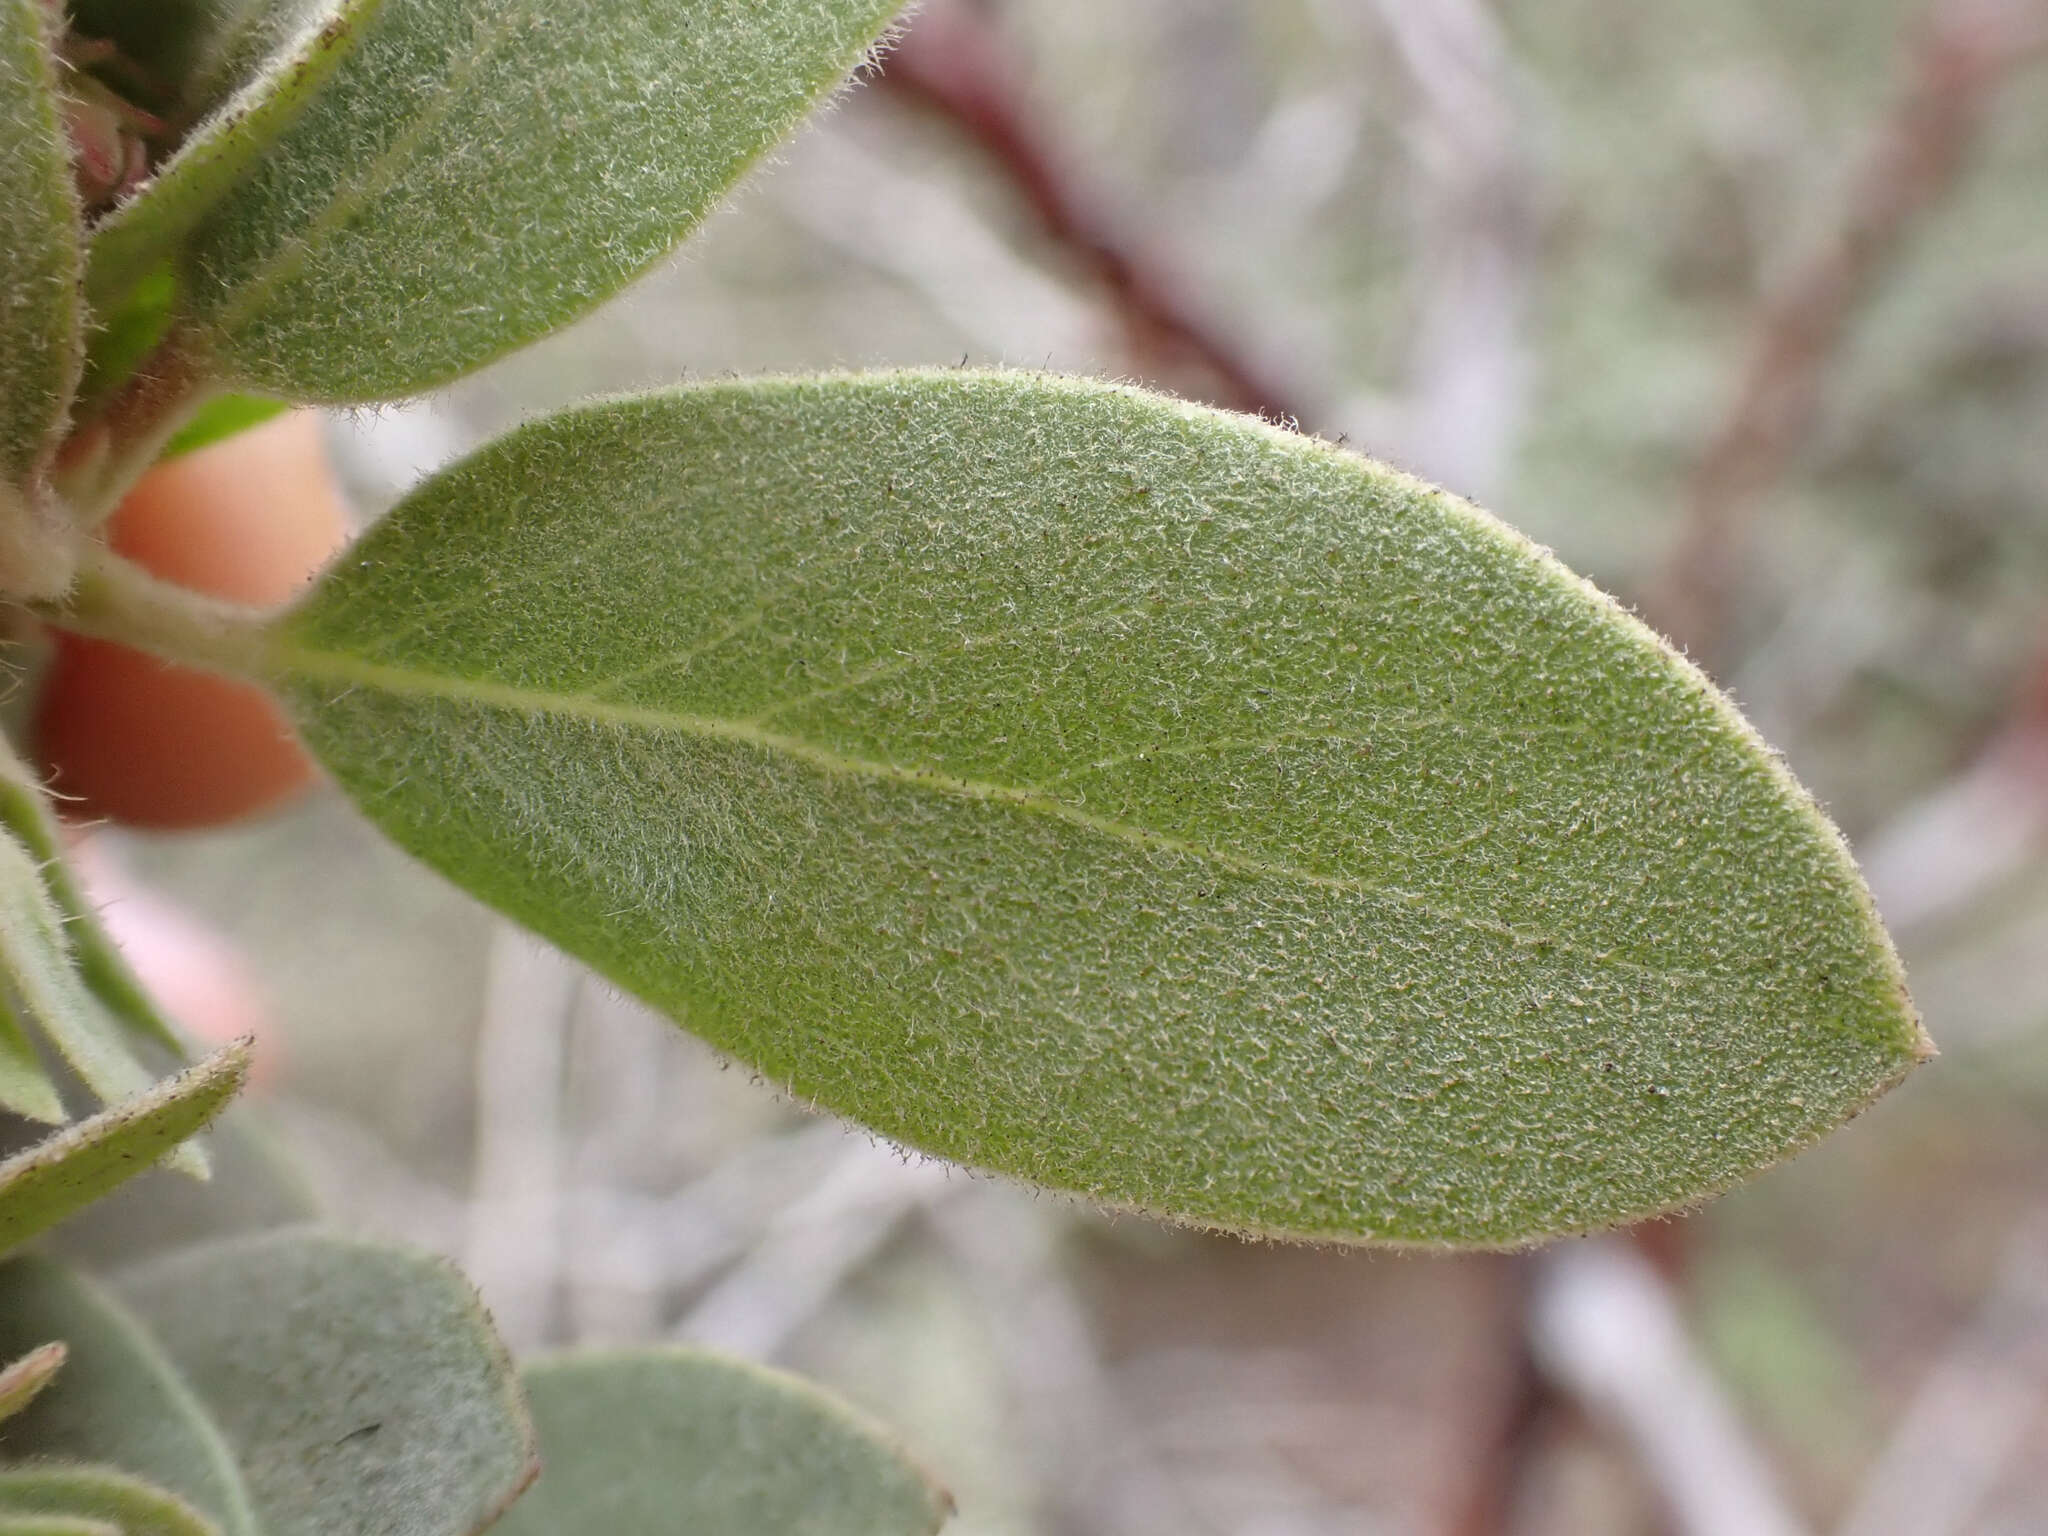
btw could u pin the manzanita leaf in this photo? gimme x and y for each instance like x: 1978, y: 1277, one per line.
x: 41, y: 319
x: 25, y: 1086
x: 100, y: 1497
x: 25, y: 811
x: 141, y: 235
x: 82, y: 1162
x: 1143, y: 801
x: 478, y: 172
x: 661, y: 1441
x: 24, y: 1378
x: 54, y: 1525
x: 361, y: 1387
x: 256, y: 1185
x: 119, y: 1400
x: 36, y: 959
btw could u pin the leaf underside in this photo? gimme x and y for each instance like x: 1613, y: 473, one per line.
x: 41, y: 320
x: 359, y: 1387
x: 659, y: 1441
x: 1141, y: 801
x: 476, y: 173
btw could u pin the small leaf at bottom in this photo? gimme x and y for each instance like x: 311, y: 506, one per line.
x: 360, y: 1386
x: 99, y: 1496
x: 664, y: 1441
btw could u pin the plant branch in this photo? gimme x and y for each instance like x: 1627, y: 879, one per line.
x: 114, y: 599
x: 112, y: 451
x: 1959, y: 52
x: 952, y: 62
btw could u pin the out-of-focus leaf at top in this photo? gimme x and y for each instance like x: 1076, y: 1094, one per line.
x: 1145, y: 802
x: 476, y: 173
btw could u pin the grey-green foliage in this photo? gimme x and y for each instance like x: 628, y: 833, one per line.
x: 85, y: 1161
x: 37, y: 961
x: 143, y: 234
x: 661, y: 1441
x: 287, y: 1384
x: 99, y: 1498
x: 477, y: 172
x: 21, y: 1380
x: 41, y: 319
x: 119, y: 1401
x: 25, y: 1085
x: 359, y: 1388
x: 25, y: 811
x: 1143, y: 801
x: 54, y: 1525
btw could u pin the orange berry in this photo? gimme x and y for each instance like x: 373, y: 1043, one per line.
x: 141, y: 741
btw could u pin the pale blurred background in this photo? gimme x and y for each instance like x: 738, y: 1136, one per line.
x: 1743, y: 308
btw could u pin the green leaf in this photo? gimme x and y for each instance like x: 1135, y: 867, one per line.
x: 25, y: 811
x: 1143, y: 801
x: 222, y: 418
x: 654, y: 1442
x: 54, y: 1525
x: 119, y: 1401
x: 477, y: 173
x: 36, y: 958
x: 255, y: 1186
x: 360, y: 1387
x: 41, y: 319
x: 146, y: 231
x: 25, y: 1087
x: 82, y: 1162
x: 21, y: 1381
x: 99, y: 1498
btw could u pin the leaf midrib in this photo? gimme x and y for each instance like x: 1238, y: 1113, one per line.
x: 311, y: 664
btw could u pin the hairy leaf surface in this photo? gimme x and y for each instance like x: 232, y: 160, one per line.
x: 360, y: 1387
x: 478, y: 172
x: 99, y: 1498
x: 1146, y: 802
x: 82, y: 1162
x: 41, y: 321
x: 143, y: 234
x: 657, y: 1441
x: 119, y: 1400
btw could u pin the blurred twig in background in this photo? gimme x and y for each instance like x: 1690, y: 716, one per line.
x: 954, y: 62
x: 1975, y: 1410
x: 1958, y: 54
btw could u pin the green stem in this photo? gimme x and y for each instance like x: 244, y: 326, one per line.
x: 114, y: 599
